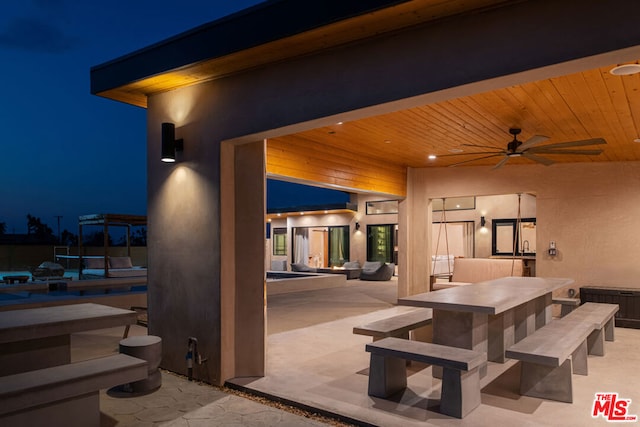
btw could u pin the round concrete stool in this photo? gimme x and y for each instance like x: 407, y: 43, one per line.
x: 149, y: 348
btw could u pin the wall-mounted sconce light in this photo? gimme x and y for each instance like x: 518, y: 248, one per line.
x: 483, y: 222
x: 170, y: 145
x: 357, y: 226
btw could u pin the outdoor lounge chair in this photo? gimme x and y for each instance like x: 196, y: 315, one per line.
x: 374, y: 270
x: 302, y: 268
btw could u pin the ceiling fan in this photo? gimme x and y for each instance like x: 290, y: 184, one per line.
x: 530, y: 149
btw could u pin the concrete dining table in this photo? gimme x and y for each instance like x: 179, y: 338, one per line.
x: 38, y: 338
x: 489, y: 316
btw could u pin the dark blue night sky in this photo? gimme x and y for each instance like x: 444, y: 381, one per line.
x: 67, y: 152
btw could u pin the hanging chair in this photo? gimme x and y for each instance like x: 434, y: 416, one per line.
x: 448, y: 272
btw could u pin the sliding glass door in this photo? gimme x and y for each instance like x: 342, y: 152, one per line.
x: 321, y: 246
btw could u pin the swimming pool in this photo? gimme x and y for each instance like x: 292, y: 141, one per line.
x: 51, y: 295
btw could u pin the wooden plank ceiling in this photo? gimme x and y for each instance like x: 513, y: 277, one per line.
x: 590, y: 104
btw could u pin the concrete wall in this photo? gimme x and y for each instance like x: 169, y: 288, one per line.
x: 591, y: 210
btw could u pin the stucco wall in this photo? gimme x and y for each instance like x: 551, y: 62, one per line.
x: 185, y: 239
x: 591, y: 210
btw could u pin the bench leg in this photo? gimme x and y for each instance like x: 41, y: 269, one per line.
x: 460, y: 392
x: 595, y: 342
x: 547, y: 382
x: 579, y: 359
x: 566, y: 309
x: 387, y: 376
x: 609, y: 329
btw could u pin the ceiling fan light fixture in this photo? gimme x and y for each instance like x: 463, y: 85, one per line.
x: 625, y: 69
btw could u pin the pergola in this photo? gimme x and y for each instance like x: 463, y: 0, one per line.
x: 106, y: 221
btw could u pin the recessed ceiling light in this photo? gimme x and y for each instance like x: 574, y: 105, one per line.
x: 636, y: 140
x: 339, y: 123
x: 456, y: 150
x: 387, y: 141
x: 432, y: 157
x: 625, y: 70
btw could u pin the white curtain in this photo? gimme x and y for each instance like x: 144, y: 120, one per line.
x: 301, y: 245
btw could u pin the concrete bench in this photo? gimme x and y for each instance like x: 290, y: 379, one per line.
x: 397, y: 326
x: 549, y: 356
x: 66, y: 394
x: 567, y: 305
x: 601, y: 315
x: 460, y: 382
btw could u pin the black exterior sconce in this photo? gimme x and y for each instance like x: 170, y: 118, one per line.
x: 170, y: 145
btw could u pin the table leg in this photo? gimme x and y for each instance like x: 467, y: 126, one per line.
x: 34, y: 354
x: 462, y: 330
x: 525, y: 320
x: 501, y: 335
x: 543, y: 310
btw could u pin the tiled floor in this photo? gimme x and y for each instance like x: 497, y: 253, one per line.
x: 314, y: 359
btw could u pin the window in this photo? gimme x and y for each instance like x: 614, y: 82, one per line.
x: 382, y: 243
x: 453, y: 204
x: 280, y: 241
x: 508, y: 239
x: 382, y: 207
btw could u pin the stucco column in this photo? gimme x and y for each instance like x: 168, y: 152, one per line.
x: 243, y: 293
x: 414, y: 221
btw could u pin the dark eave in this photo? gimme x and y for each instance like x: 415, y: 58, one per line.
x: 255, y: 26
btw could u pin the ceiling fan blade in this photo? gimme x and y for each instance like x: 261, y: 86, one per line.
x: 534, y: 140
x: 471, y: 154
x: 501, y: 163
x: 583, y: 152
x: 581, y: 143
x: 546, y: 162
x: 476, y: 159
x: 480, y: 146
